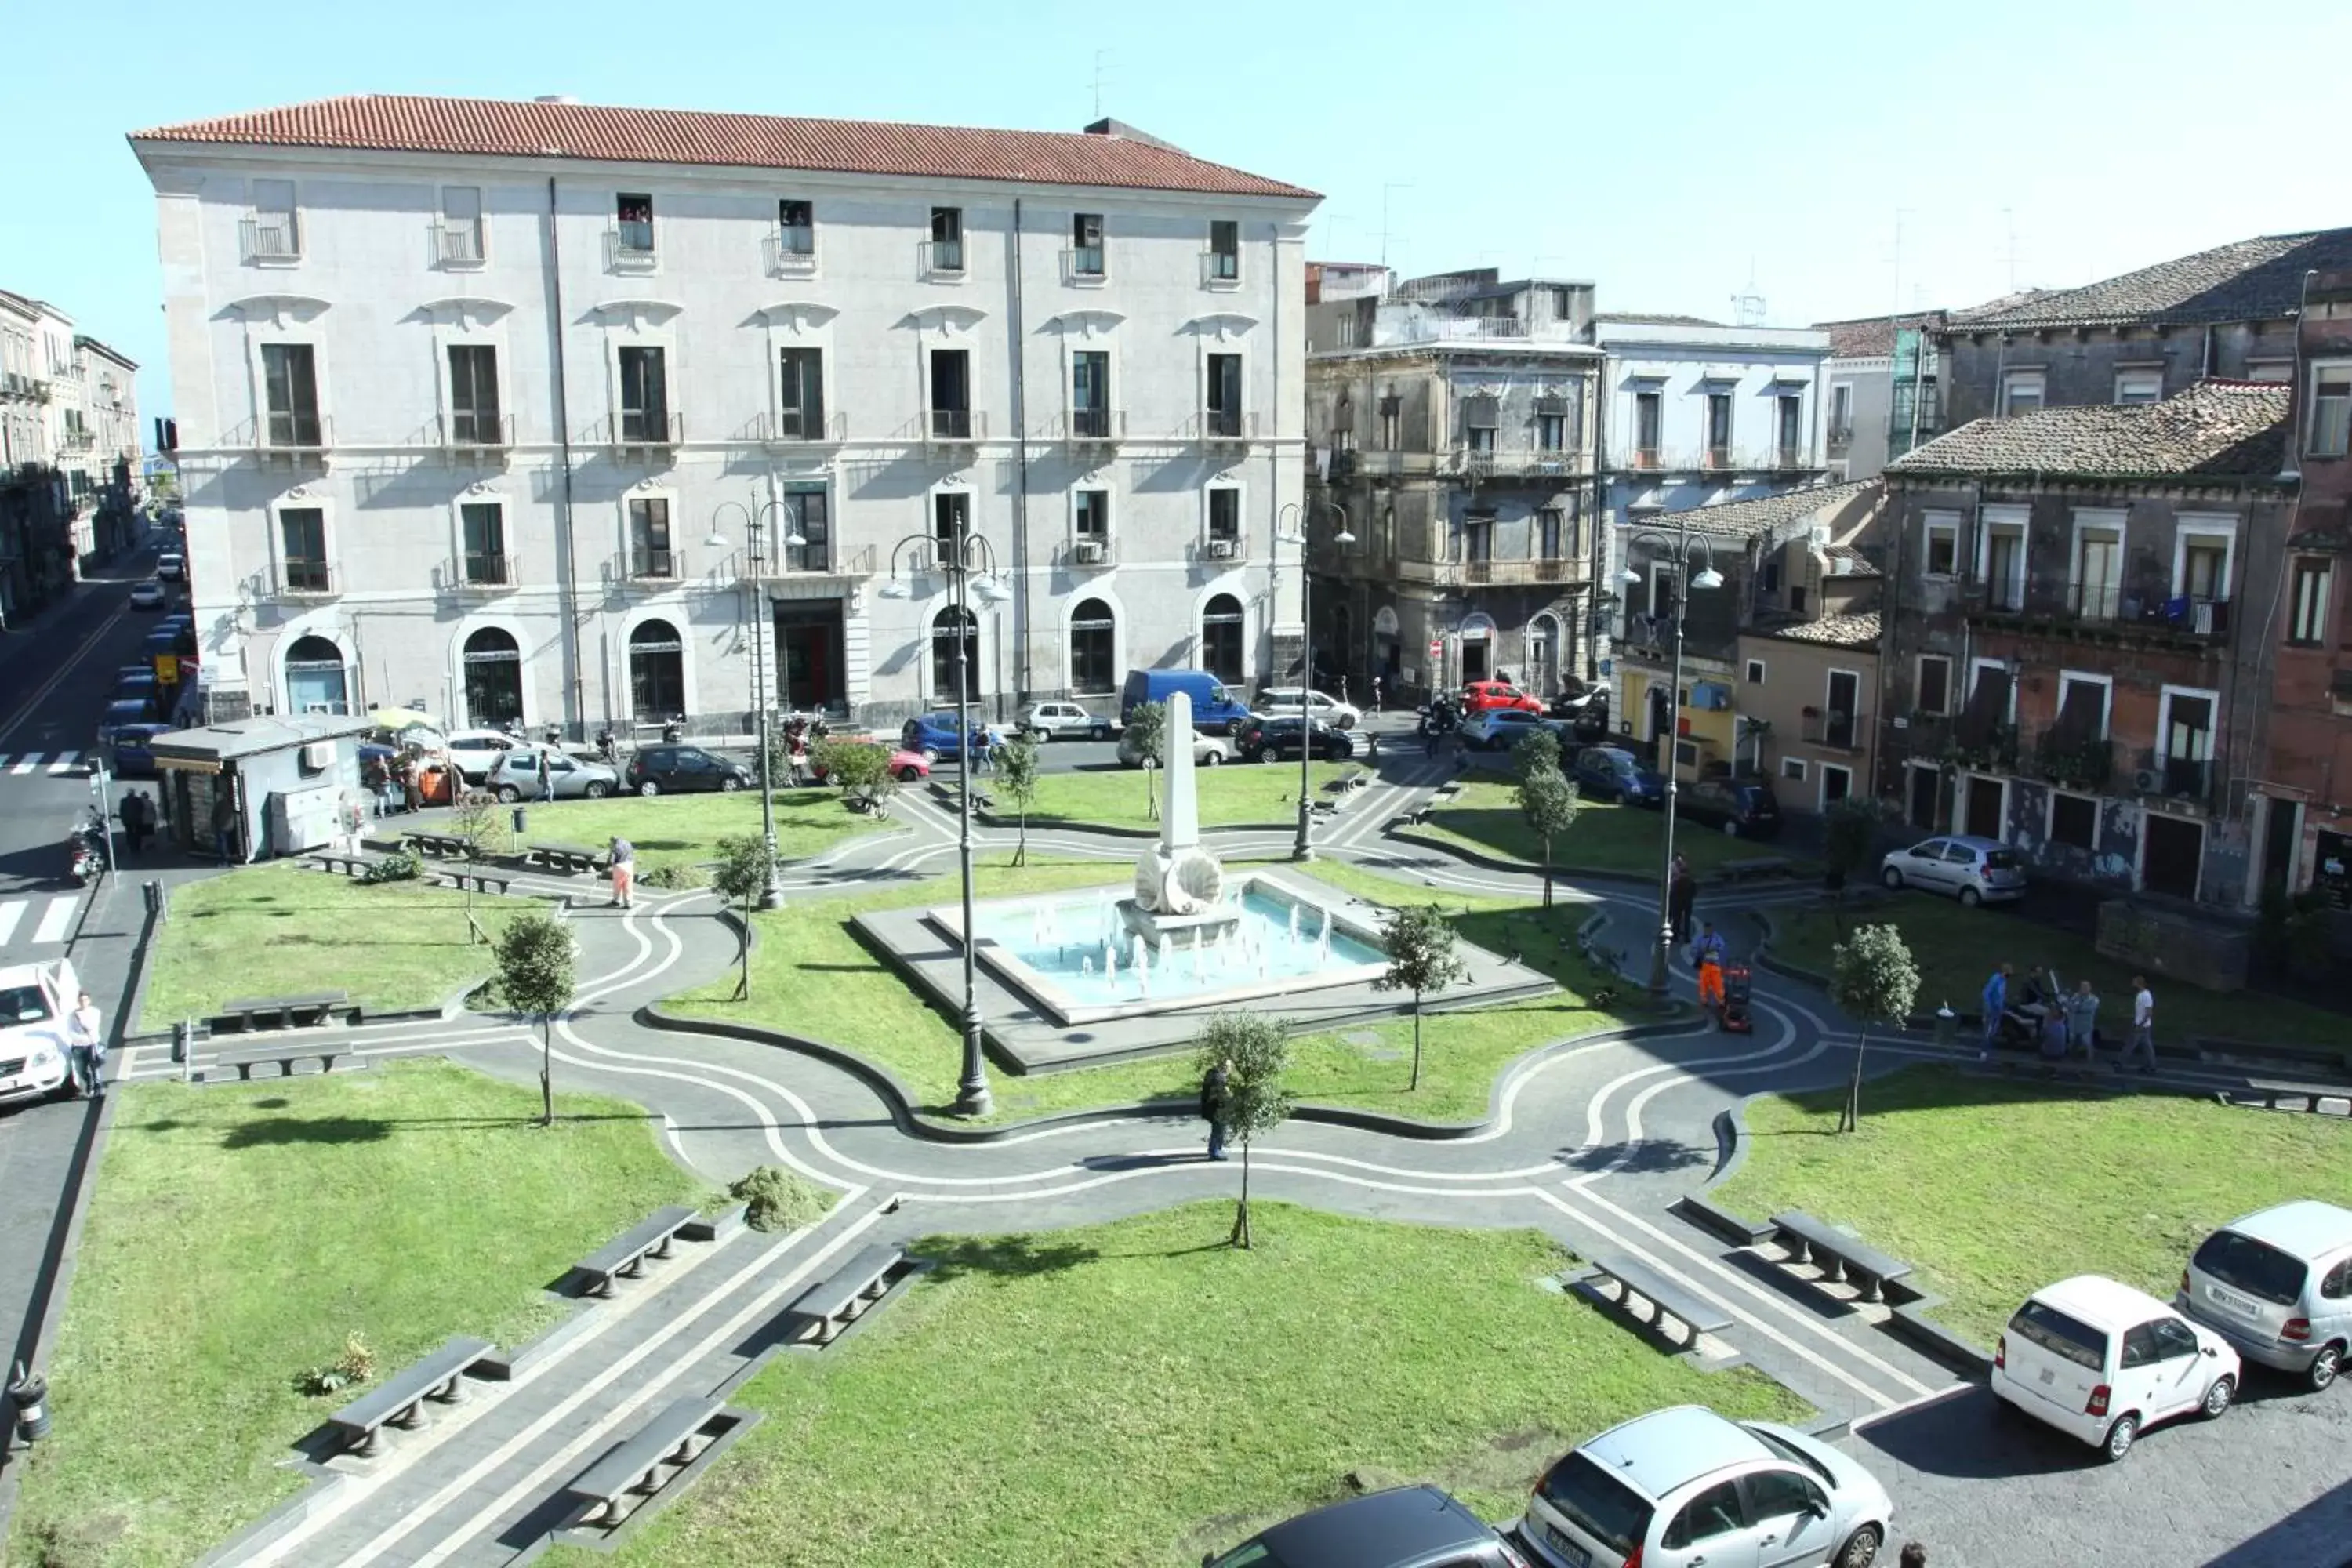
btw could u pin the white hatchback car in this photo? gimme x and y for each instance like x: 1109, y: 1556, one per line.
x: 1282, y: 702
x: 33, y: 1001
x: 2102, y: 1362
x: 473, y: 752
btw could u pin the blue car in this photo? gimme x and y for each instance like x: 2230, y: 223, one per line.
x: 1612, y: 772
x: 935, y: 734
x: 132, y: 759
x: 121, y: 716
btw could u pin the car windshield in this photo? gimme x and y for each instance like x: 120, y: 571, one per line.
x: 22, y: 1005
x: 2254, y: 1266
x: 1790, y: 1451
x: 2061, y: 1335
x: 1597, y: 1503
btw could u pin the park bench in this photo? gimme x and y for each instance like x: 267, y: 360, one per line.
x: 1754, y: 867
x: 481, y: 882
x: 399, y: 1400
x: 636, y: 1465
x: 831, y: 1305
x: 347, y: 865
x: 1668, y: 1301
x: 627, y: 1253
x: 283, y: 1058
x: 281, y: 1012
x: 1838, y: 1257
x: 568, y: 858
x: 441, y: 844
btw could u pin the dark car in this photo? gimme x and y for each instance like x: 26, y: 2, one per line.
x: 133, y: 759
x: 1743, y: 808
x: 935, y: 734
x: 683, y: 770
x: 1261, y: 740
x: 1613, y: 772
x: 136, y: 685
x: 1406, y: 1527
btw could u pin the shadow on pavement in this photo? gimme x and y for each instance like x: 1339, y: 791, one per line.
x: 1972, y: 1435
x: 2318, y: 1535
x: 1643, y: 1156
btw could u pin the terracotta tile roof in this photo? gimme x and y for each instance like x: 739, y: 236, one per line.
x: 1746, y: 519
x: 2248, y: 279
x: 602, y: 134
x: 1838, y: 631
x: 2221, y: 429
x: 1873, y: 337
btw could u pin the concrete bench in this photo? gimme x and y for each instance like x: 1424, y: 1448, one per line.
x: 399, y: 1400
x: 284, y: 1059
x: 831, y: 1305
x: 1754, y: 867
x: 347, y: 865
x: 283, y: 1011
x: 636, y: 1465
x: 1838, y: 1257
x: 440, y: 845
x: 480, y: 882
x: 627, y: 1253
x: 568, y: 858
x: 1668, y: 1301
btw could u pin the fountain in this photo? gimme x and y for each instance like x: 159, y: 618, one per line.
x: 1179, y: 885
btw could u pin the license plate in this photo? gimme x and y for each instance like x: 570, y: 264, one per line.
x: 2230, y: 1301
x: 2049, y: 1374
x: 1572, y: 1554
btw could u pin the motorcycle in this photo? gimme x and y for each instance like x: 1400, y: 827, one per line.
x: 608, y: 750
x: 86, y: 851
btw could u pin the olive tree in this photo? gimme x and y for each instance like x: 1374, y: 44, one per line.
x: 1254, y: 1053
x: 741, y: 878
x: 1546, y: 799
x: 479, y: 822
x: 1147, y: 727
x: 1872, y: 976
x: 1420, y: 942
x: 1016, y: 780
x: 536, y: 954
x: 860, y: 769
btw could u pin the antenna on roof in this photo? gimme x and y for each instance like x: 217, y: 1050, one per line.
x: 1100, y: 55
x: 1748, y: 308
x: 2009, y: 221
x: 1392, y: 185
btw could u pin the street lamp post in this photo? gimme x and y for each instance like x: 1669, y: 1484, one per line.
x: 957, y: 557
x: 1304, y: 847
x: 1678, y: 545
x: 771, y: 892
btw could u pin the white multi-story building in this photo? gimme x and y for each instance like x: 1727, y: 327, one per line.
x: 478, y: 400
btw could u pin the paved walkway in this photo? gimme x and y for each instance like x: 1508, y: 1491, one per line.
x: 1593, y: 1142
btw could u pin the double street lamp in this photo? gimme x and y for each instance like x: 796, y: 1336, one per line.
x: 970, y: 567
x: 1303, y: 849
x: 771, y: 895
x: 1678, y: 545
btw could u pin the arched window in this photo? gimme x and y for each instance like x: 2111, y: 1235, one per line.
x: 1091, y: 652
x: 493, y: 678
x: 316, y: 680
x: 657, y: 671
x: 943, y: 656
x: 1221, y: 638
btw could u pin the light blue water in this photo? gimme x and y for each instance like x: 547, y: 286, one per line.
x: 1064, y: 940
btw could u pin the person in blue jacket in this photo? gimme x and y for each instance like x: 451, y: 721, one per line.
x: 1996, y: 1003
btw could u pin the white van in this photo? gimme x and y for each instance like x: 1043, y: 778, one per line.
x: 2101, y: 1360
x: 2278, y: 1286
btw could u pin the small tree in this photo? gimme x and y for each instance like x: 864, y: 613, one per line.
x: 1421, y: 960
x: 1147, y: 727
x: 478, y: 822
x: 1016, y: 780
x: 1258, y: 1053
x: 1849, y: 832
x: 776, y: 763
x: 1871, y: 976
x: 741, y: 878
x: 1546, y: 799
x: 535, y: 957
x: 860, y: 768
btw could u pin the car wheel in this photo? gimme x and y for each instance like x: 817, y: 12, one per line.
x: 728, y: 784
x: 1214, y: 759
x: 909, y: 773
x: 1099, y: 732
x: 649, y: 789
x: 508, y: 794
x: 1860, y: 1548
x: 596, y: 791
x: 2325, y: 1366
x: 2120, y: 1437
x: 1970, y: 898
x: 1891, y: 877
x: 2216, y: 1403
x: 930, y: 757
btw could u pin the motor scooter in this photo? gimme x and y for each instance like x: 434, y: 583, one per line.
x: 86, y: 851
x: 608, y: 751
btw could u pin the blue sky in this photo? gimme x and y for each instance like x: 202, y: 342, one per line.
x: 1668, y: 153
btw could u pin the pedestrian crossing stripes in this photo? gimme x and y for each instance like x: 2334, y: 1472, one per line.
x: 16, y: 764
x: 54, y: 923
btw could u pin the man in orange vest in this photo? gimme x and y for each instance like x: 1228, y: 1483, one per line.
x: 1709, y: 951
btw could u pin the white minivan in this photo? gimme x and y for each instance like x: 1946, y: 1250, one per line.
x: 2101, y: 1361
x: 2278, y: 1286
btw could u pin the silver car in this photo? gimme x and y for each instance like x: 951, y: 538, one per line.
x: 515, y: 775
x: 1063, y: 721
x: 1282, y: 702
x: 1208, y: 750
x: 2278, y: 1286
x: 1973, y: 870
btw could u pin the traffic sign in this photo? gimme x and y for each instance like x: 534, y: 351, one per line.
x: 167, y: 669
x: 1437, y: 648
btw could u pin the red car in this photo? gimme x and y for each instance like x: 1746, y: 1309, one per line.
x: 1485, y: 695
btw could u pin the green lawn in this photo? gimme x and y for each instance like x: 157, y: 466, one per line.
x: 277, y: 929
x: 1114, y: 797
x: 1137, y: 1394
x: 811, y: 976
x: 687, y: 828
x: 1993, y: 1188
x: 238, y: 1233
x: 1958, y: 948
x: 1607, y: 836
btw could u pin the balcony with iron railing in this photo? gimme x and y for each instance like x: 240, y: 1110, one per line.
x: 477, y: 430
x: 815, y: 558
x: 629, y: 248
x: 1834, y: 731
x: 1513, y: 462
x: 1983, y: 742
x: 939, y: 260
x: 2101, y: 610
x: 801, y: 428
x: 484, y: 571
x: 290, y: 437
x: 652, y: 563
x: 790, y: 251
x: 1093, y: 427
x: 2158, y: 774
x: 455, y: 247
x: 271, y: 238
x: 303, y: 578
x: 649, y: 429
x: 1224, y: 426
x: 1841, y: 440
x: 1491, y: 572
x: 78, y: 439
x: 1085, y: 266
x: 2070, y: 758
x: 1221, y: 269
x: 953, y: 426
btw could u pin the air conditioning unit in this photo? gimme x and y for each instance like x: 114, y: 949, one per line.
x: 1223, y: 548
x: 319, y: 753
x: 2147, y: 781
x: 1092, y: 552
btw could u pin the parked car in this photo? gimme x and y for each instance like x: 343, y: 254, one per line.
x: 1404, y: 1527
x: 1500, y: 728
x: 935, y: 735
x: 35, y: 999
x: 683, y: 770
x: 906, y: 766
x: 1270, y: 739
x: 1282, y: 702
x: 1214, y: 707
x: 1613, y: 772
x: 148, y: 596
x: 1478, y: 696
x: 2278, y: 1286
x: 2101, y: 1361
x: 172, y: 566
x: 1677, y: 1487
x: 1974, y: 870
x: 133, y: 684
x: 473, y: 752
x: 1208, y: 750
x: 1061, y: 720
x: 1744, y: 808
x: 121, y: 714
x: 132, y: 759
x: 515, y: 775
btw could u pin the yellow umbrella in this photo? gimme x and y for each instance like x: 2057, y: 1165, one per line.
x: 398, y: 719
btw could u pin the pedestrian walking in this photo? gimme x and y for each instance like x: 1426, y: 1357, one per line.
x: 138, y: 819
x: 1995, y: 1002
x: 624, y: 861
x: 1376, y: 695
x: 1213, y: 1093
x: 547, y: 776
x: 411, y: 789
x: 1708, y: 955
x: 85, y: 1046
x: 224, y: 828
x: 2082, y: 1010
x: 796, y: 760
x: 1682, y: 894
x: 2143, y: 1029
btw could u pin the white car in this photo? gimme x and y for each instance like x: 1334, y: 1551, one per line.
x: 1282, y: 702
x: 2102, y: 1362
x: 1685, y: 1488
x: 172, y: 566
x: 33, y: 1001
x: 473, y: 752
x: 1059, y: 720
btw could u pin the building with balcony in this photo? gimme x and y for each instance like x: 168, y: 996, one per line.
x: 47, y: 455
x: 2078, y: 642
x: 1883, y: 376
x: 1452, y: 419
x: 478, y: 400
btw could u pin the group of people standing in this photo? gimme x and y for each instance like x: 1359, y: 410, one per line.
x: 2064, y: 1021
